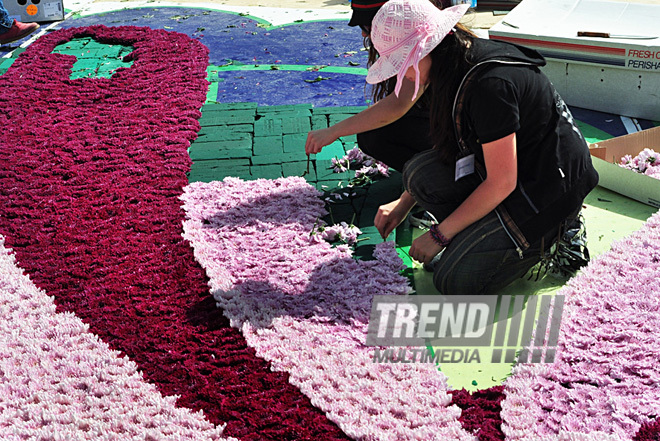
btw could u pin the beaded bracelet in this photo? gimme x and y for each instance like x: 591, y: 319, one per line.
x: 438, y: 237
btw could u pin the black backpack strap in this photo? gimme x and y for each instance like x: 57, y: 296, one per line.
x: 507, y: 221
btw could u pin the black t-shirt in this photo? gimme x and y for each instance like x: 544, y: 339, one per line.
x: 552, y: 153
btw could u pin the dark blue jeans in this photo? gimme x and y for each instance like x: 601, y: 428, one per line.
x: 5, y: 22
x: 482, y: 258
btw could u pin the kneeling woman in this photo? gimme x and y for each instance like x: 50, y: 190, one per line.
x: 509, y: 166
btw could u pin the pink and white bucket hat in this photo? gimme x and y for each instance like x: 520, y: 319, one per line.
x: 405, y: 31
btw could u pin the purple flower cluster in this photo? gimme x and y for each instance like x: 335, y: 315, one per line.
x: 365, y: 165
x: 604, y: 381
x: 647, y: 162
x: 341, y: 232
x: 305, y: 306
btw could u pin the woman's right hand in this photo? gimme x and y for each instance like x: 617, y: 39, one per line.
x: 389, y: 217
x: 317, y: 139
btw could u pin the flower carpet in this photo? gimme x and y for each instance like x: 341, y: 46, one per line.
x: 59, y: 381
x: 305, y: 306
x: 126, y: 317
x: 92, y: 170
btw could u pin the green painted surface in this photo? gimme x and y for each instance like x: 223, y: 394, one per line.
x: 334, y: 150
x: 94, y: 59
x: 267, y: 145
x: 294, y: 142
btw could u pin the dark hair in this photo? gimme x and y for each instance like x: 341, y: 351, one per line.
x: 450, y: 61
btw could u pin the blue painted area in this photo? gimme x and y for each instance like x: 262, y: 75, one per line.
x: 606, y: 122
x: 270, y: 88
x: 9, y: 47
x: 234, y: 37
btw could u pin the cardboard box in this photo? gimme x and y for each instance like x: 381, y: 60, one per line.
x: 607, y: 154
x: 617, y: 71
x: 29, y: 11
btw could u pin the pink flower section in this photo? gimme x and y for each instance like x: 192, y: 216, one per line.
x: 304, y: 306
x: 604, y: 383
x: 60, y: 382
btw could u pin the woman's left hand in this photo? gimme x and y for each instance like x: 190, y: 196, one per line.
x: 424, y: 248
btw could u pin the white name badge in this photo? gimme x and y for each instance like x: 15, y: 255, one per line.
x: 464, y: 166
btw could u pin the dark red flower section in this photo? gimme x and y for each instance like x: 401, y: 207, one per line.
x: 90, y: 175
x: 648, y: 432
x: 481, y: 412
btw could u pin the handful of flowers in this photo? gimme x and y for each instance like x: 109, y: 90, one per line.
x: 647, y: 163
x: 341, y: 232
x: 366, y: 167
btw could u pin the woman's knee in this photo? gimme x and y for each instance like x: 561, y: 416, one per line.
x: 417, y: 172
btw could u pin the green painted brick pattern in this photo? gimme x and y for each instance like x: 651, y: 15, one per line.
x: 268, y: 127
x: 268, y: 142
x: 229, y: 117
x: 270, y: 171
x: 267, y: 145
x: 319, y: 122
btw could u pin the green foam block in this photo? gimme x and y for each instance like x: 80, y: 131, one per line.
x: 319, y: 122
x: 221, y: 107
x: 267, y: 145
x: 272, y: 171
x: 268, y: 127
x: 279, y: 159
x: 299, y: 168
x: 334, y: 150
x: 221, y: 134
x: 334, y: 110
x: 294, y: 143
x: 296, y: 125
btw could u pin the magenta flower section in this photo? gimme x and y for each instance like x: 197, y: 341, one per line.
x: 481, y: 412
x: 91, y: 171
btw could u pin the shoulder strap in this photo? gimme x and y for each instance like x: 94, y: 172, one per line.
x: 507, y: 221
x: 459, y: 98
